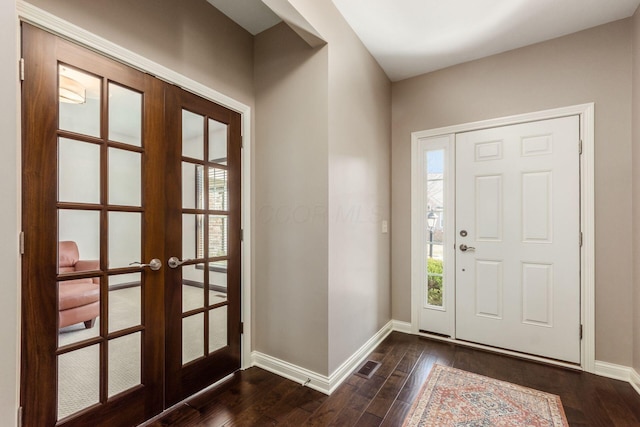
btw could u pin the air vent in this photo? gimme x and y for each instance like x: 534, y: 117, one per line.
x: 368, y: 369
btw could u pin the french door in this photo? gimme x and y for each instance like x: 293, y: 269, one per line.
x: 112, y: 331
x: 497, y: 250
x: 203, y: 195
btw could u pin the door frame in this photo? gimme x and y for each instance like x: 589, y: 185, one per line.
x: 587, y: 222
x: 49, y: 22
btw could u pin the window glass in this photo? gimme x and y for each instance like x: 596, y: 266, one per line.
x: 435, y: 231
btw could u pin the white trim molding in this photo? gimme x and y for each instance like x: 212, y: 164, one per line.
x: 618, y: 372
x: 587, y: 209
x: 62, y: 28
x: 400, y: 326
x: 611, y: 370
x: 322, y: 383
x: 291, y: 372
x: 635, y: 380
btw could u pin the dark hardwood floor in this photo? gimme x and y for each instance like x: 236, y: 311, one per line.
x: 255, y: 397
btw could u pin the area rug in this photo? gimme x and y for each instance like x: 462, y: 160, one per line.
x: 452, y: 397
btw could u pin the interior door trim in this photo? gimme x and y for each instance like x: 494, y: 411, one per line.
x: 587, y: 217
x: 31, y: 14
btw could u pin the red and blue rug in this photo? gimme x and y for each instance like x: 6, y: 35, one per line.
x: 452, y: 397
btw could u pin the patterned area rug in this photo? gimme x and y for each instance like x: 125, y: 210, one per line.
x: 451, y: 397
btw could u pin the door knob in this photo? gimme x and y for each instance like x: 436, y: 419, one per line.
x: 465, y: 248
x: 175, y: 262
x: 155, y: 264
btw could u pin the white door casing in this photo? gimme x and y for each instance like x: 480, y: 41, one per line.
x: 518, y: 199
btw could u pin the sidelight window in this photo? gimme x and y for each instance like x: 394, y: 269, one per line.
x: 434, y: 185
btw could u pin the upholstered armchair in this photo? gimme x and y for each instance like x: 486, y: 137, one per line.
x: 78, y: 299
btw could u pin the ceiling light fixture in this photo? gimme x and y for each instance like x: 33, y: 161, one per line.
x: 71, y: 92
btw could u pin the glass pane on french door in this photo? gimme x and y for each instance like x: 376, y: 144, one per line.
x: 100, y: 234
x: 205, y: 230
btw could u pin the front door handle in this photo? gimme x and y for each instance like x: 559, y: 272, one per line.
x: 465, y: 248
x: 155, y: 264
x: 175, y: 262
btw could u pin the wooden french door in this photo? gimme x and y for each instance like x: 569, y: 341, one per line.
x: 203, y: 199
x: 111, y: 334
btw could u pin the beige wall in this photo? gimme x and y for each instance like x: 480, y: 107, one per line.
x: 636, y: 189
x: 359, y: 192
x: 322, y: 188
x: 188, y: 36
x: 9, y: 228
x: 291, y: 241
x: 359, y: 184
x: 590, y: 66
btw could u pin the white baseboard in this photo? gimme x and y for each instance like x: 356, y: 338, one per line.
x: 322, y: 383
x: 290, y: 371
x: 611, y: 370
x: 356, y: 359
x: 635, y: 380
x: 619, y: 372
x: 399, y: 326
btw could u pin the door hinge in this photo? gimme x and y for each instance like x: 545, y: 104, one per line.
x: 241, y: 327
x: 20, y: 416
x: 21, y: 63
x: 580, y: 147
x: 580, y: 239
x: 580, y: 331
x: 242, y: 133
x: 22, y: 243
x: 242, y: 235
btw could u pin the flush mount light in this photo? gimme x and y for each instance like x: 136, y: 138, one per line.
x: 71, y: 92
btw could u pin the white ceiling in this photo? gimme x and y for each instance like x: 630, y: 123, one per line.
x: 412, y: 37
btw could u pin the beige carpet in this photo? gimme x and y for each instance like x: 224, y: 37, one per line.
x: 452, y: 397
x: 78, y: 371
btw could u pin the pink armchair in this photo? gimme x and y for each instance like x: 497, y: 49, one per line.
x: 79, y: 299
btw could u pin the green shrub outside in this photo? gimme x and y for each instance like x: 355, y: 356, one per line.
x: 434, y: 283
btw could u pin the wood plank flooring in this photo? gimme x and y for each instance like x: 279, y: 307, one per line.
x: 255, y: 397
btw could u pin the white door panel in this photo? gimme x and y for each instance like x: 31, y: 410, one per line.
x: 518, y: 199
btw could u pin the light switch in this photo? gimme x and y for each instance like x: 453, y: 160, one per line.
x: 385, y: 226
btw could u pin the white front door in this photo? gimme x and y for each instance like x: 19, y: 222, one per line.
x: 518, y: 217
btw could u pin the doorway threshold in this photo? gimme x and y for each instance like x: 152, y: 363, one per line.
x: 497, y: 350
